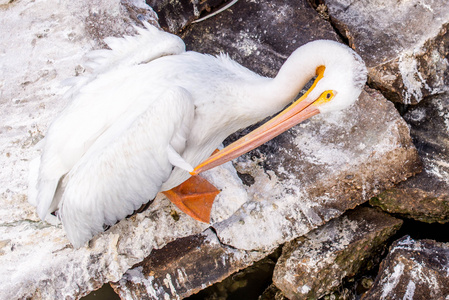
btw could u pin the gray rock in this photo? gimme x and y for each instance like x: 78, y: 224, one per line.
x: 175, y: 15
x: 259, y: 34
x: 345, y: 151
x: 301, y: 180
x: 413, y: 270
x: 424, y: 197
x: 183, y: 268
x: 248, y: 283
x: 404, y: 43
x: 37, y: 260
x: 317, y: 171
x: 316, y: 264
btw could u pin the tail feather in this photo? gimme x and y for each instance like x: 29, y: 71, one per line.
x: 45, y: 197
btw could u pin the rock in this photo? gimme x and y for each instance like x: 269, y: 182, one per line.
x: 248, y: 283
x: 404, y: 43
x: 259, y: 34
x: 424, y: 197
x: 183, y: 268
x: 345, y: 150
x: 316, y: 264
x: 414, y: 269
x: 175, y: 15
x: 272, y: 293
x: 36, y: 258
x: 301, y: 180
x: 39, y: 262
x: 317, y: 171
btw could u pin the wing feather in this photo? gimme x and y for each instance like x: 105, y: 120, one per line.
x: 124, y: 168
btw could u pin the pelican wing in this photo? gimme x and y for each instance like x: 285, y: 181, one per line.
x: 125, y: 167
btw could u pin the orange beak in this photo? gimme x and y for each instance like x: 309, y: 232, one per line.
x: 296, y: 113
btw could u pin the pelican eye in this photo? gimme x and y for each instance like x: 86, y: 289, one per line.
x: 325, y: 97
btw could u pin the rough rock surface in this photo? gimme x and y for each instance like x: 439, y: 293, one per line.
x: 317, y: 171
x: 248, y: 283
x: 37, y: 260
x: 259, y: 34
x: 175, y: 15
x: 353, y: 155
x: 285, y: 201
x: 272, y: 293
x: 404, y: 43
x: 183, y: 267
x: 425, y: 197
x: 413, y: 269
x: 314, y: 265
x: 344, y: 150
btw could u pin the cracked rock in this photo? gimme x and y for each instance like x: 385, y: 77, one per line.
x: 316, y: 264
x: 405, y: 44
x: 317, y: 171
x: 424, y: 197
x: 259, y: 34
x: 175, y: 15
x: 301, y: 180
x: 183, y: 268
x: 414, y: 269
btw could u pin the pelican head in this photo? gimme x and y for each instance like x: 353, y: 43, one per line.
x: 340, y: 76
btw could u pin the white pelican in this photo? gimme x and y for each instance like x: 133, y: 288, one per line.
x: 150, y: 110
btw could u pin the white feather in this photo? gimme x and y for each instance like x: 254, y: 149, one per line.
x: 124, y: 168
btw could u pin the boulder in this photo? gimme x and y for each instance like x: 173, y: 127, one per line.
x: 313, y: 173
x: 413, y: 269
x: 175, y: 15
x: 36, y: 258
x: 317, y: 171
x: 316, y: 264
x: 405, y: 44
x: 424, y: 197
x: 183, y: 267
x: 333, y: 177
x: 259, y: 34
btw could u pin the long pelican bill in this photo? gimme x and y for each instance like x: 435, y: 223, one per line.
x: 297, y: 112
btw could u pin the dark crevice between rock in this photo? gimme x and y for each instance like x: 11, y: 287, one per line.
x: 321, y: 9
x: 354, y: 287
x: 419, y: 230
x: 249, y: 283
x: 214, y: 231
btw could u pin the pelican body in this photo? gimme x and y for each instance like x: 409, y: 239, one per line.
x: 149, y: 111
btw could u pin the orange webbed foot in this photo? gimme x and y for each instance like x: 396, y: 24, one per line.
x: 195, y: 197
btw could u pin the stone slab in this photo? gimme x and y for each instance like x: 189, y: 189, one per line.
x: 314, y: 265
x: 259, y: 34
x: 405, y: 44
x: 413, y: 269
x: 183, y: 267
x: 317, y: 171
x: 425, y: 197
